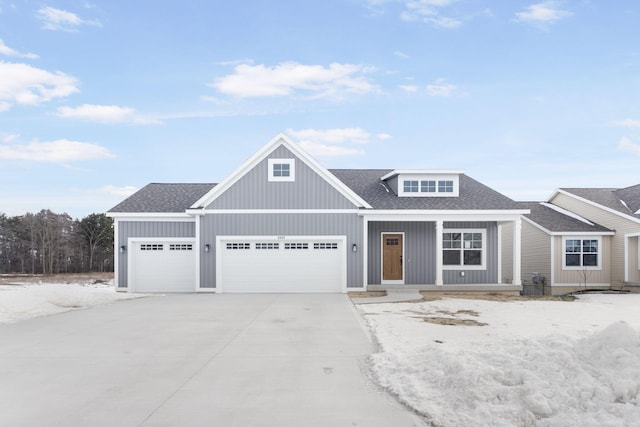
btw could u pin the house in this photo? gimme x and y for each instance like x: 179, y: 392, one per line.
x: 583, y: 238
x: 282, y: 222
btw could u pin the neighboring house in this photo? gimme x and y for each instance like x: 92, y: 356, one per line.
x: 568, y: 251
x: 596, y: 238
x: 283, y: 223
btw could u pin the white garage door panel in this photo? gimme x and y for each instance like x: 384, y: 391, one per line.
x: 281, y: 266
x: 167, y: 266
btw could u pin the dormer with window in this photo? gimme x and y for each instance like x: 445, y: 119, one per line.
x: 424, y: 183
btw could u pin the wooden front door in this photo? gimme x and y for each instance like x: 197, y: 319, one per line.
x: 392, y: 257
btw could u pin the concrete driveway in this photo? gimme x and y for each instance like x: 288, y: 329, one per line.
x: 205, y: 359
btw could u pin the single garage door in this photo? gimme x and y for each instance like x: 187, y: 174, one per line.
x: 162, y: 266
x: 284, y: 264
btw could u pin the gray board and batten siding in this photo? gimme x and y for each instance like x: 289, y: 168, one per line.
x: 150, y: 229
x: 420, y: 253
x: 307, y: 191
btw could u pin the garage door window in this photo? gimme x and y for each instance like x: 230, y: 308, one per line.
x: 267, y: 246
x: 152, y: 247
x: 180, y: 247
x: 325, y: 246
x: 238, y: 246
x: 296, y: 246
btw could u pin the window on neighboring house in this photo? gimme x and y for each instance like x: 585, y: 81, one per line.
x: 581, y: 253
x: 463, y: 248
x: 445, y: 186
x: 281, y: 170
x: 411, y: 186
x: 428, y: 186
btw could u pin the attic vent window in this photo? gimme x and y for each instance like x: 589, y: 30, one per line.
x: 281, y: 170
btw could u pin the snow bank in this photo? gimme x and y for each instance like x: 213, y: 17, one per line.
x: 517, y: 371
x: 32, y: 300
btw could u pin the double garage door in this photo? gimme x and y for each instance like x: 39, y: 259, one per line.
x: 255, y: 264
x: 285, y: 264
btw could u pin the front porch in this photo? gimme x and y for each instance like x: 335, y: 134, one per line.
x: 431, y: 253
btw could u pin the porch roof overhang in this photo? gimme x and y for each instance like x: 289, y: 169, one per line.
x: 442, y: 215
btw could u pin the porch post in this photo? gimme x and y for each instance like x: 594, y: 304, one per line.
x: 439, y: 231
x: 517, y: 251
x: 365, y: 252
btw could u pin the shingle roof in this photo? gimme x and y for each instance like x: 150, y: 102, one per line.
x: 556, y: 221
x: 623, y: 200
x: 472, y: 195
x: 162, y: 198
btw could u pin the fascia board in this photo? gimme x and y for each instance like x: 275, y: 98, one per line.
x: 146, y: 216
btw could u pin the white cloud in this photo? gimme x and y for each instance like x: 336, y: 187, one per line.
x: 104, y: 114
x: 409, y: 88
x: 428, y: 11
x: 334, y: 142
x: 627, y: 145
x: 543, y: 14
x: 58, y: 151
x: 10, y: 138
x: 7, y: 51
x: 401, y: 55
x: 27, y: 85
x: 630, y: 123
x: 62, y: 20
x: 112, y: 190
x: 441, y: 88
x: 289, y: 78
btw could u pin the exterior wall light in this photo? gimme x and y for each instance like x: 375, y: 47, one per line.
x: 207, y: 247
x: 122, y: 249
x: 354, y: 248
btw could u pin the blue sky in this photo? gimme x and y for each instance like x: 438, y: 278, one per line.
x: 98, y: 99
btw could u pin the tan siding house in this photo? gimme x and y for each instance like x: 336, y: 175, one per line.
x: 617, y: 210
x: 569, y: 251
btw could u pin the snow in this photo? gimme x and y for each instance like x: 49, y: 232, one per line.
x: 533, y: 363
x: 28, y: 300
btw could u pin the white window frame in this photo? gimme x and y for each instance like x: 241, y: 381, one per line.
x: 581, y: 267
x: 422, y: 190
x: 292, y: 170
x: 483, y: 250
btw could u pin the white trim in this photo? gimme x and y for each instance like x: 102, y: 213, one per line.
x: 592, y: 203
x: 483, y: 250
x: 280, y: 140
x: 517, y: 252
x: 581, y: 267
x: 130, y: 253
x: 455, y: 183
x: 292, y: 170
x: 445, y: 215
x: 391, y: 282
x: 116, y: 255
x: 198, y: 248
x: 553, y: 259
x: 365, y: 252
x: 439, y: 263
x: 274, y: 211
x: 422, y: 172
x: 221, y: 238
x: 500, y: 253
x: 151, y: 217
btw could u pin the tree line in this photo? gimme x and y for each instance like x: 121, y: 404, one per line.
x: 51, y: 243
